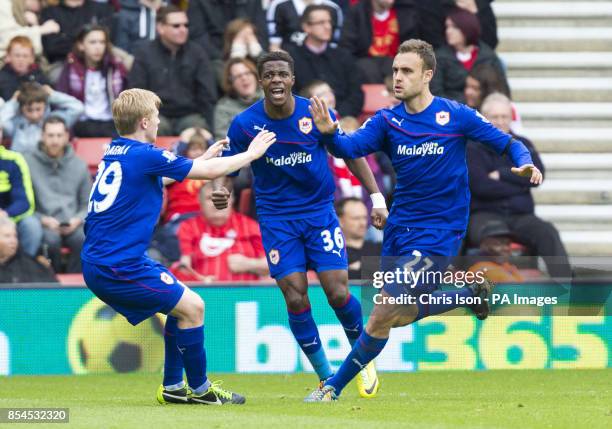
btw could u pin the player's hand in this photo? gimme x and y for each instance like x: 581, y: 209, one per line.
x: 220, y: 198
x: 215, y: 149
x: 238, y: 263
x: 321, y: 117
x: 261, y: 143
x: 529, y: 170
x: 379, y: 217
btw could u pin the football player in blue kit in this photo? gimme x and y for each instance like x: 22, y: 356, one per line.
x: 124, y: 205
x: 425, y: 138
x: 294, y: 192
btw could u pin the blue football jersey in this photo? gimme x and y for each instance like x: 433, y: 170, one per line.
x: 428, y: 153
x: 293, y: 179
x: 126, y: 200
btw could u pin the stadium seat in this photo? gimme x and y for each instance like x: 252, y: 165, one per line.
x: 375, y: 97
x: 91, y: 149
x: 166, y: 142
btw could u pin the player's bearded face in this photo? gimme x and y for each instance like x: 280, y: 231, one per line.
x: 277, y: 81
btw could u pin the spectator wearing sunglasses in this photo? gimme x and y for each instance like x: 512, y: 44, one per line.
x: 178, y: 71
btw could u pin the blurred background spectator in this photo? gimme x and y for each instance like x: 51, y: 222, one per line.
x: 284, y: 21
x: 500, y: 196
x: 463, y: 51
x: 494, y: 254
x: 179, y: 72
x: 16, y: 266
x: 241, y: 90
x: 94, y: 76
x: 23, y: 115
x: 484, y: 80
x: 432, y: 14
x: 182, y: 196
x: 220, y: 245
x: 135, y: 22
x: 71, y: 15
x: 373, y: 31
x: 19, y: 66
x: 17, y: 199
x: 209, y: 21
x: 240, y: 40
x: 353, y: 216
x: 61, y: 187
x: 22, y: 18
x: 322, y: 90
x: 316, y: 59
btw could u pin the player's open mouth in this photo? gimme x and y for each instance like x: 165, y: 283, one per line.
x: 277, y: 92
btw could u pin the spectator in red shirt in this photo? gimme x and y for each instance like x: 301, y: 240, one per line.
x: 220, y: 245
x: 373, y: 31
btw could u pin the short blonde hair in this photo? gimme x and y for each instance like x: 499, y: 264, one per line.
x: 131, y: 106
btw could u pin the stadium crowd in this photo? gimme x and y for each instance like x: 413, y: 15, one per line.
x: 63, y: 62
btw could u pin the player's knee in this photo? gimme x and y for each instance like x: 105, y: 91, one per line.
x: 199, y: 306
x: 197, y: 309
x: 338, y: 296
x: 405, y: 315
x: 296, y: 302
x: 193, y: 312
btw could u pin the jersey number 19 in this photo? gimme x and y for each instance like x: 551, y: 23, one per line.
x: 108, y: 190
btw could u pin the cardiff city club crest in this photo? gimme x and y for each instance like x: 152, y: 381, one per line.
x: 166, y: 278
x: 442, y: 117
x: 274, y: 256
x: 305, y: 125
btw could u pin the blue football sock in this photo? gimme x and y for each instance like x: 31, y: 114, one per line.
x: 190, y: 343
x: 349, y: 315
x: 173, y: 362
x: 450, y: 296
x: 365, y: 350
x: 307, y: 335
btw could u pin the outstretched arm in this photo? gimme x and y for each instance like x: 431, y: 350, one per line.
x: 216, y: 167
x: 367, y: 139
x: 478, y: 128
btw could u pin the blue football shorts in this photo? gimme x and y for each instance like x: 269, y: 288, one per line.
x: 299, y: 245
x: 418, y: 249
x: 136, y: 290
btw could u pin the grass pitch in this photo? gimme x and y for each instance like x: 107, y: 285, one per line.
x: 446, y: 399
